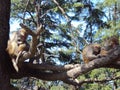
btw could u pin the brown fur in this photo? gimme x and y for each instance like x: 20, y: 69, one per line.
x: 109, y: 44
x: 16, y: 45
x: 91, y: 52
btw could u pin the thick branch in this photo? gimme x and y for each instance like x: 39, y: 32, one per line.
x: 97, y: 63
x: 51, y: 67
x: 70, y: 73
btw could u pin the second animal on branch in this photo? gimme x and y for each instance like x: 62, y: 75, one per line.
x: 17, y: 45
x: 93, y: 51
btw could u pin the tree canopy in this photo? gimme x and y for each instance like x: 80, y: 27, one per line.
x: 59, y: 30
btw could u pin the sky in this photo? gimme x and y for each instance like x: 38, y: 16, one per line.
x: 14, y: 25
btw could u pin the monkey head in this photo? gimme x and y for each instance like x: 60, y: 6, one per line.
x: 96, y: 49
x: 22, y: 35
x: 111, y: 42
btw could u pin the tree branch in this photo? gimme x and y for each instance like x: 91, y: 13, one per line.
x: 68, y: 73
x: 61, y: 9
x: 32, y: 18
x: 59, y: 68
x: 33, y: 44
x: 25, y: 10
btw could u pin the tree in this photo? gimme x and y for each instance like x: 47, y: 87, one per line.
x: 41, y: 45
x: 4, y: 33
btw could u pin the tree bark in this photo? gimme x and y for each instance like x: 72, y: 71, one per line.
x: 4, y: 35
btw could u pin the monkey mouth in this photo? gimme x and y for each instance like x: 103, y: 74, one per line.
x: 19, y: 43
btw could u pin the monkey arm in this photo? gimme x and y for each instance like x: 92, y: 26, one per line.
x: 104, y: 52
x: 88, y: 54
x: 92, y: 56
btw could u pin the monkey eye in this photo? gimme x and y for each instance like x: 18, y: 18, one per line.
x: 19, y: 40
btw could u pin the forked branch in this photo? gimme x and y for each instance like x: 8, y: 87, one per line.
x: 33, y: 43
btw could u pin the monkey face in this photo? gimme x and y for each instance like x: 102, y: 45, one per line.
x: 108, y: 43
x: 22, y: 36
x: 96, y: 50
x: 111, y: 42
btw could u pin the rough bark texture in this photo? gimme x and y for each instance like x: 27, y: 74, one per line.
x: 4, y: 33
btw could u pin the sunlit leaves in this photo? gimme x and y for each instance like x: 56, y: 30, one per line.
x: 78, y: 4
x: 109, y: 2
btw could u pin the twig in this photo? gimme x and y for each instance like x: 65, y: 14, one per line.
x: 25, y: 10
x: 61, y: 9
x: 37, y: 9
x: 45, y: 13
x: 32, y: 18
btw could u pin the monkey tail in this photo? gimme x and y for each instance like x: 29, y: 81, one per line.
x: 18, y: 56
x: 15, y: 62
x: 15, y: 65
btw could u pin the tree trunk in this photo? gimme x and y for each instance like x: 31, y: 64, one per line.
x: 4, y: 35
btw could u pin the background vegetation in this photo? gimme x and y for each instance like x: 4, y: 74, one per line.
x: 68, y: 25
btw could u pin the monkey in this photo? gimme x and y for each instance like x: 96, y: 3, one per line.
x: 94, y: 51
x: 91, y: 52
x: 109, y: 44
x: 17, y: 44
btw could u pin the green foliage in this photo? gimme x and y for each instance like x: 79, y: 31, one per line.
x: 66, y: 40
x: 109, y: 2
x: 57, y: 88
x: 15, y: 1
x: 100, y: 74
x: 78, y: 4
x: 112, y: 19
x: 104, y: 32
